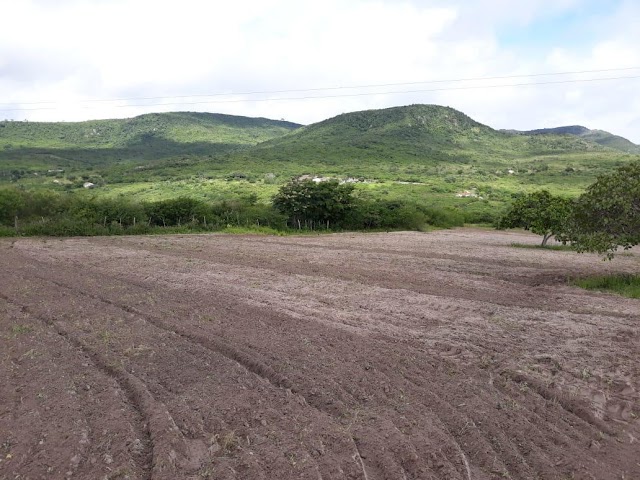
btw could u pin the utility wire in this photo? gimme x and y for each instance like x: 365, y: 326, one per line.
x: 363, y: 94
x: 270, y: 92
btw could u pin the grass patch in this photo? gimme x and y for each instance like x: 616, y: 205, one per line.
x: 20, y: 329
x: 546, y: 247
x: 626, y: 285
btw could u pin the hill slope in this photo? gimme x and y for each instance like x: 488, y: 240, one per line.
x: 440, y: 152
x: 427, y: 132
x: 179, y: 127
x: 424, y: 136
x: 598, y: 136
x: 149, y: 137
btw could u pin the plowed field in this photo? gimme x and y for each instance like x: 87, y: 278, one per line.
x: 447, y: 355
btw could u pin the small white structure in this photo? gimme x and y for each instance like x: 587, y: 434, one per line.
x: 466, y: 194
x: 314, y: 178
x: 89, y: 185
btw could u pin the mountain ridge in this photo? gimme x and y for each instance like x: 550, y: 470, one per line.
x: 439, y: 149
x: 181, y: 127
x: 205, y: 127
x: 431, y: 132
x: 600, y: 137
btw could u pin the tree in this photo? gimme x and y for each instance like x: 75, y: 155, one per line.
x: 176, y: 211
x: 310, y: 203
x: 540, y: 212
x: 12, y: 202
x: 607, y: 215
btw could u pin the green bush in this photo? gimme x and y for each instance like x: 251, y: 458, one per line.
x: 7, y: 231
x: 626, y: 285
x: 176, y: 212
x: 64, y: 227
x: 314, y: 205
x: 108, y: 211
x: 12, y: 204
x: 444, y: 217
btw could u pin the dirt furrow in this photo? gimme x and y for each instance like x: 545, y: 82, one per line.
x: 164, y: 444
x: 515, y: 458
x: 233, y: 353
x: 334, y: 469
x: 447, y: 355
x: 145, y: 447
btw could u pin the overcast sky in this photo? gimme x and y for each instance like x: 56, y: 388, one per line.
x: 73, y: 52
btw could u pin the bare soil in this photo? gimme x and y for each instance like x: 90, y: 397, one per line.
x: 447, y: 355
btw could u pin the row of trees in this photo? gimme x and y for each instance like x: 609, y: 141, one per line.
x: 298, y: 205
x: 51, y: 213
x: 603, y: 219
x: 329, y: 204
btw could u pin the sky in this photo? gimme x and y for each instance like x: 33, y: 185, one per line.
x: 506, y: 63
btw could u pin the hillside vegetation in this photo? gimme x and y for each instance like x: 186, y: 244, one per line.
x: 422, y: 154
x: 421, y: 135
x: 153, y: 137
x: 598, y: 136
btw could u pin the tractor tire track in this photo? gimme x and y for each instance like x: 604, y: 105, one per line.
x: 165, y: 449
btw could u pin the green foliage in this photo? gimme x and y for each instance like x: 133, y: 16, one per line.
x: 145, y: 131
x: 540, y: 212
x: 11, y: 204
x: 65, y: 227
x: 607, y: 215
x: 7, y: 231
x: 215, y: 158
x: 598, y: 136
x: 315, y: 204
x: 49, y: 213
x: 386, y: 215
x: 25, y: 204
x: 626, y: 285
x: 176, y: 211
x: 108, y: 211
x: 126, y: 148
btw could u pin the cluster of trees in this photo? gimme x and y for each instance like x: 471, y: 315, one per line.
x: 51, y: 213
x: 298, y: 205
x: 603, y: 219
x: 329, y: 204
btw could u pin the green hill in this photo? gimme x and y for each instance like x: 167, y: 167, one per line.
x: 598, y: 136
x: 144, y: 130
x: 146, y: 137
x: 428, y: 143
x: 420, y: 153
x: 429, y: 133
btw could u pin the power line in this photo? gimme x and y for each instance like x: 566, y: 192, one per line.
x: 271, y: 92
x: 363, y: 94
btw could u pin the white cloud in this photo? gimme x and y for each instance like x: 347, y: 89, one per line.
x: 73, y: 51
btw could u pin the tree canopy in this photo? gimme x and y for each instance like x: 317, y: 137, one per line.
x: 540, y: 212
x: 308, y: 203
x: 607, y: 215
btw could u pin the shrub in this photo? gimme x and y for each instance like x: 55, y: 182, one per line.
x: 315, y: 204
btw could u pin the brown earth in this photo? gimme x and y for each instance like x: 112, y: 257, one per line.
x: 447, y: 355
